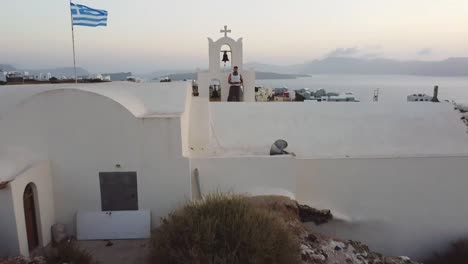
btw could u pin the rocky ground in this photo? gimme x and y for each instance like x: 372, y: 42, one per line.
x: 22, y: 260
x: 315, y: 248
x: 318, y: 249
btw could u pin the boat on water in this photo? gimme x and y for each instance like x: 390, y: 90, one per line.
x: 134, y: 79
x: 165, y: 79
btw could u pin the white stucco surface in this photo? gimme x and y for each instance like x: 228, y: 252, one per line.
x: 83, y: 133
x: 9, y: 243
x: 336, y: 130
x: 13, y: 161
x: 40, y: 176
x: 141, y: 99
x: 247, y: 175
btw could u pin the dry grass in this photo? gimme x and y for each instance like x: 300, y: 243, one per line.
x: 223, y: 229
x: 66, y: 252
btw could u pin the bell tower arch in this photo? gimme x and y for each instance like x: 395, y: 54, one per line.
x: 215, y: 51
x: 216, y: 71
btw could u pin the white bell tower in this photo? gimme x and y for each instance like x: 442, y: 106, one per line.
x: 200, y: 132
x: 216, y: 74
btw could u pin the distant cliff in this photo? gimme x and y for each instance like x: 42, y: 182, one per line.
x: 7, y: 67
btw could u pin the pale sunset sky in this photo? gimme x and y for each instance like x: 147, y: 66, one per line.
x: 149, y: 35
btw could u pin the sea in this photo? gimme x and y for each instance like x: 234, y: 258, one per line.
x: 392, y: 88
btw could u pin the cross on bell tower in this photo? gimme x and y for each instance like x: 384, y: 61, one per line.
x: 225, y: 31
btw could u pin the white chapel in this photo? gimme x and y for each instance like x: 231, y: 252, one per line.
x: 109, y: 160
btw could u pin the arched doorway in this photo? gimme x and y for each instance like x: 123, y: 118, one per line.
x: 215, y: 90
x: 30, y: 217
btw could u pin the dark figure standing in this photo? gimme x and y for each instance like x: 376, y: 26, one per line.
x: 236, y: 82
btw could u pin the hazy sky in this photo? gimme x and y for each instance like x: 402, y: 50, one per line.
x: 147, y: 35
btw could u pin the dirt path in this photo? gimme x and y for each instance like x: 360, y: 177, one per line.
x: 117, y: 251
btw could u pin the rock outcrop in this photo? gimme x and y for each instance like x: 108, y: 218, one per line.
x: 22, y: 260
x: 319, y: 249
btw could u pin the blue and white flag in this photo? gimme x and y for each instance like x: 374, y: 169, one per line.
x: 88, y: 17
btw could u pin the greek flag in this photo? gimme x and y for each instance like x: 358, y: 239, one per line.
x: 88, y: 17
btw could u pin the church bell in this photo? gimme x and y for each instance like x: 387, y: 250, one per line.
x: 225, y: 57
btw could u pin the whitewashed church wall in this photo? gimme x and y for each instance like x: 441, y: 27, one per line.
x: 165, y: 181
x: 330, y: 130
x: 249, y: 86
x: 399, y: 206
x: 84, y: 134
x: 247, y: 175
x: 199, y: 129
x: 40, y: 176
x: 185, y: 123
x: 9, y: 243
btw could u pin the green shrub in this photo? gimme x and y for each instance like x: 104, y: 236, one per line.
x: 223, y: 229
x: 456, y: 254
x: 69, y: 253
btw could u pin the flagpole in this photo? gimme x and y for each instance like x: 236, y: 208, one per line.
x: 73, y: 41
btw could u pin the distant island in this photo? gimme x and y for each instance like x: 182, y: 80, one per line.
x: 345, y: 65
x: 259, y: 76
x: 56, y: 72
x: 329, y: 65
x: 66, y: 71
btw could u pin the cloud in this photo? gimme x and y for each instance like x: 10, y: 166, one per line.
x: 342, y: 52
x: 355, y: 52
x: 425, y: 52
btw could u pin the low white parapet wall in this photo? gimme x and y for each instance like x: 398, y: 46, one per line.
x: 261, y: 175
x: 409, y: 206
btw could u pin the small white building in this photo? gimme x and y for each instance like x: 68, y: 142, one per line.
x: 96, y: 76
x: 110, y: 160
x: 43, y: 77
x: 3, y: 77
